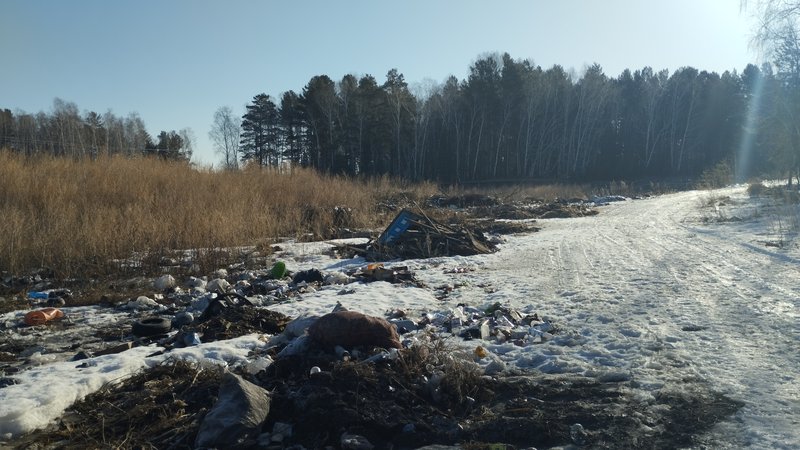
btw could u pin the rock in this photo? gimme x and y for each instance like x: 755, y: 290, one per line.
x: 240, y: 410
x: 164, y: 282
x: 350, y: 329
x: 218, y: 285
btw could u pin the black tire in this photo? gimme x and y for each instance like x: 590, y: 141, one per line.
x: 151, y: 326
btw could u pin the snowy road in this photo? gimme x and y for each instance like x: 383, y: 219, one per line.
x: 645, y: 291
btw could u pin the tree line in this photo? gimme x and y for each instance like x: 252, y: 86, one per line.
x: 513, y: 120
x: 67, y: 132
x: 508, y: 120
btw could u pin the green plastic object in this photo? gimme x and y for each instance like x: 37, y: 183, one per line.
x: 278, y: 270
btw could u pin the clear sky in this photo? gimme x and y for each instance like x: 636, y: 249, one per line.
x: 176, y: 61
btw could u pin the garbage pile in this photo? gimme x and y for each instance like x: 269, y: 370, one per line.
x: 177, y: 315
x: 480, y: 206
x: 412, y: 236
x: 537, y: 210
x: 361, y: 382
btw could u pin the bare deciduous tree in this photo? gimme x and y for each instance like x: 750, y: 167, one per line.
x: 225, y: 136
x: 776, y: 20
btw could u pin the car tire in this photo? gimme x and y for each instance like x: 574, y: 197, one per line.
x: 151, y: 326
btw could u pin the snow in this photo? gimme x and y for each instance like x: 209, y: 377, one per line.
x: 656, y: 293
x: 43, y: 393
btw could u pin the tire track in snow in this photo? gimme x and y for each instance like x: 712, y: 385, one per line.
x: 724, y: 286
x: 644, y: 290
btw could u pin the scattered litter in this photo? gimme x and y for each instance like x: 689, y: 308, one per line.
x: 219, y: 285
x: 142, y: 302
x: 605, y: 200
x: 164, y: 283
x: 151, y: 326
x: 308, y: 276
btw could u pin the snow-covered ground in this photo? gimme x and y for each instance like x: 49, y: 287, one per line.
x: 658, y: 293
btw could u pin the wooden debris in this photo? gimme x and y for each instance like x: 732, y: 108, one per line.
x: 412, y: 235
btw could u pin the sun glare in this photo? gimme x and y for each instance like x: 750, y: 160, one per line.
x: 745, y: 153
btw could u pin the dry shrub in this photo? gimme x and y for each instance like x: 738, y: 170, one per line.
x: 540, y: 193
x: 718, y: 176
x: 461, y: 377
x: 77, y: 216
x: 756, y: 189
x: 552, y: 192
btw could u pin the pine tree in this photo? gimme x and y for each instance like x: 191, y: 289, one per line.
x: 259, y: 138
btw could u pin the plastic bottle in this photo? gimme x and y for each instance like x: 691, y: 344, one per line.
x: 42, y: 316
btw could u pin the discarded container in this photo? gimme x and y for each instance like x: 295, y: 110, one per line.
x: 33, y: 295
x: 42, y: 316
x: 278, y: 270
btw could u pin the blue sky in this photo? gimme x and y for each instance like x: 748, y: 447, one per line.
x: 176, y: 61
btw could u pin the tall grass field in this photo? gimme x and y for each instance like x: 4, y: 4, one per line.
x: 76, y: 217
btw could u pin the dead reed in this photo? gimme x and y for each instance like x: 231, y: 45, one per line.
x: 77, y: 217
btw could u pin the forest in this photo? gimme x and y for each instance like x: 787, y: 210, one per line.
x: 509, y: 120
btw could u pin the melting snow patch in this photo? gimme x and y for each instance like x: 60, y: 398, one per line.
x: 43, y: 393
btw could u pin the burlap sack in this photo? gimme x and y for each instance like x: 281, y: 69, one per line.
x: 351, y: 329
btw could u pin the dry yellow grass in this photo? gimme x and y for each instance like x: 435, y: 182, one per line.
x: 76, y: 216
